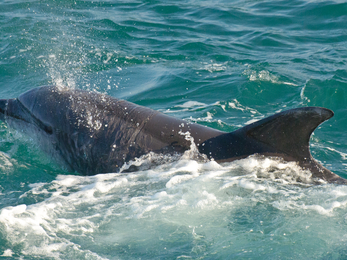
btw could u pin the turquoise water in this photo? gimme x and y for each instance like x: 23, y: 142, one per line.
x: 222, y: 64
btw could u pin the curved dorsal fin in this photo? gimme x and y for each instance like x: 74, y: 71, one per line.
x: 288, y: 132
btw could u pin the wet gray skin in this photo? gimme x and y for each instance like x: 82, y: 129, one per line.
x: 94, y: 133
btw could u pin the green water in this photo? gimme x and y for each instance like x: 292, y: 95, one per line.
x: 218, y: 63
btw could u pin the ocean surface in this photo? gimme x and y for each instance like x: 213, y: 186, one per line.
x: 223, y: 64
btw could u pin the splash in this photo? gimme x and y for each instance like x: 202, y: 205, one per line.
x: 180, y: 201
x: 264, y: 75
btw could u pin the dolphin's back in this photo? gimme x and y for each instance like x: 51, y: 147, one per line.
x: 95, y: 133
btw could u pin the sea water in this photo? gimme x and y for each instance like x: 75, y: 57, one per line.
x: 223, y: 64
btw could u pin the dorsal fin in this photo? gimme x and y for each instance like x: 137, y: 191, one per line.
x: 288, y: 132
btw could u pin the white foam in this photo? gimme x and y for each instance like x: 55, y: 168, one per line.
x: 235, y: 104
x: 178, y: 179
x: 208, y: 200
x: 122, y: 209
x: 6, y: 163
x: 264, y: 75
x: 214, y: 67
x: 7, y: 253
x: 343, y: 155
x: 191, y: 104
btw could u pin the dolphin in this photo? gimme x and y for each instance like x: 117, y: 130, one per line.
x: 95, y: 133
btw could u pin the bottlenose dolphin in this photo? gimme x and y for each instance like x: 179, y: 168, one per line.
x: 95, y: 133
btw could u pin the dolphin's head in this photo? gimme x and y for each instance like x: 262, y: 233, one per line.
x: 32, y: 110
x: 64, y: 121
x: 31, y: 114
x: 45, y: 116
x: 47, y: 108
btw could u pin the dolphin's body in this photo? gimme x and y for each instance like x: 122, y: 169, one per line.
x: 95, y: 133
